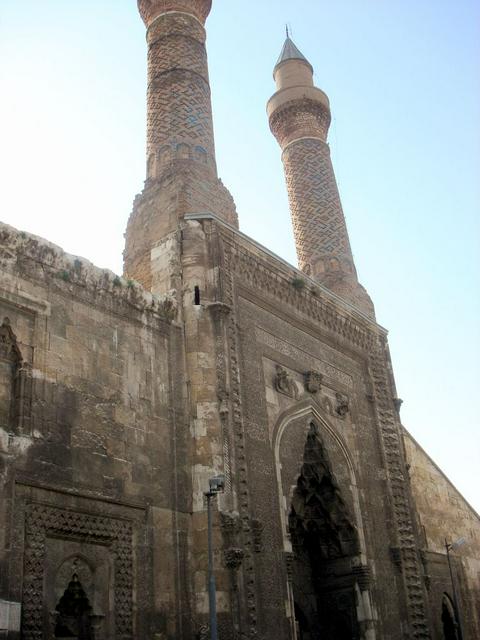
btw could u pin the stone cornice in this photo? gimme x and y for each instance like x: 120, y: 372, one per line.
x: 265, y: 272
x: 36, y: 259
x: 151, y: 9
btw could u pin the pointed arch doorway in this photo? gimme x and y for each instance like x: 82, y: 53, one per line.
x: 449, y: 620
x: 324, y: 541
x: 328, y: 578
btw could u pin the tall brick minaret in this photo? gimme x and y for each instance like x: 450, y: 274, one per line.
x: 299, y: 115
x: 181, y: 168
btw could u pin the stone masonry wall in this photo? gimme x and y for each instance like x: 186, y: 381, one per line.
x: 88, y: 478
x: 445, y: 515
x: 157, y: 210
x: 269, y: 321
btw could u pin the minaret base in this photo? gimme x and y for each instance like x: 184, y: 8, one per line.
x: 157, y: 211
x: 350, y: 290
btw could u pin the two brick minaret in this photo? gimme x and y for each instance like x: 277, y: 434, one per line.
x: 299, y: 115
x: 181, y: 168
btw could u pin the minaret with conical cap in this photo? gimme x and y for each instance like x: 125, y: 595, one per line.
x: 181, y: 168
x: 299, y: 115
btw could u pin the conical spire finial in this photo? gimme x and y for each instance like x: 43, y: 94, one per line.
x: 290, y: 51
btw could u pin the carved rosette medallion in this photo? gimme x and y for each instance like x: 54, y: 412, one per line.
x: 343, y: 404
x: 233, y: 557
x: 313, y: 381
x: 284, y: 382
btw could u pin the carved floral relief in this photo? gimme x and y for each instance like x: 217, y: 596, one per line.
x: 313, y: 381
x: 284, y: 382
x: 343, y: 404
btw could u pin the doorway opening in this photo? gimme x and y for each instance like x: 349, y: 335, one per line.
x: 323, y: 542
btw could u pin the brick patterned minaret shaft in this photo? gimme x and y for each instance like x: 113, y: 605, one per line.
x: 299, y: 116
x: 179, y: 111
x: 181, y: 168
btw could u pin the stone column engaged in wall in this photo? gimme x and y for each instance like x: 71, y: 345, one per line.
x: 181, y: 168
x: 299, y: 115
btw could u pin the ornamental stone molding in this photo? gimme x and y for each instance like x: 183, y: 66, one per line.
x: 233, y: 557
x: 152, y: 9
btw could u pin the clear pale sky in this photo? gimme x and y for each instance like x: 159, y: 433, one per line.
x: 403, y: 81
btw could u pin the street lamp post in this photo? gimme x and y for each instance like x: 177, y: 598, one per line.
x: 449, y: 546
x: 216, y: 485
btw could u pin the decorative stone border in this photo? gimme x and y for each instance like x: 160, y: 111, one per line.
x: 42, y: 521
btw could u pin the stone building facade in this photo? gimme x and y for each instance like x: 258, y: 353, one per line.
x: 120, y: 397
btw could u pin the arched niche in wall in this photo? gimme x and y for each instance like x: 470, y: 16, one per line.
x: 183, y: 151
x: 151, y: 166
x: 324, y: 544
x: 164, y: 156
x: 15, y: 383
x: 80, y: 596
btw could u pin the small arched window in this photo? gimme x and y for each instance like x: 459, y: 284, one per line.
x: 196, y: 295
x: 183, y: 151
